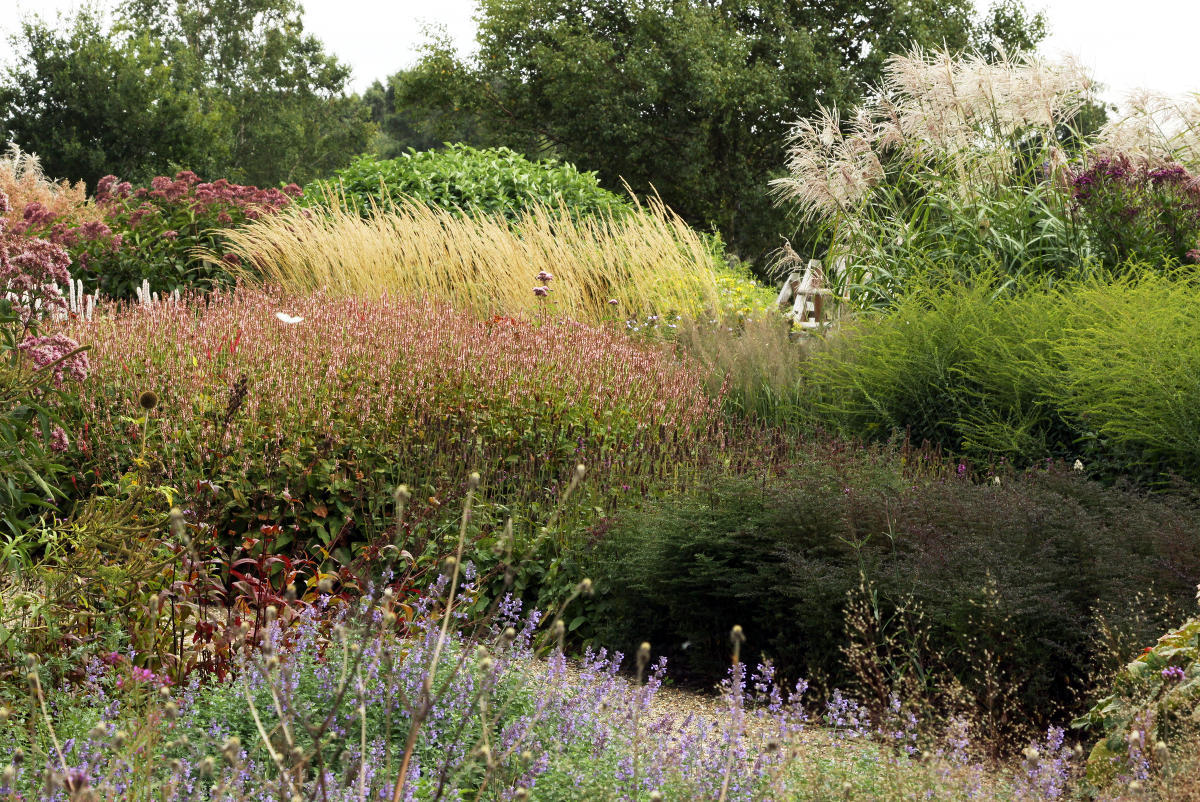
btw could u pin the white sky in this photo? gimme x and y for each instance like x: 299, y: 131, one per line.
x: 1126, y: 44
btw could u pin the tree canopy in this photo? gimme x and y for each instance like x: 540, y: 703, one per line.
x: 692, y: 98
x: 229, y: 88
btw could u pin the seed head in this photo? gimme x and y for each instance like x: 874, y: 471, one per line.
x: 643, y: 655
x: 586, y: 588
x: 508, y: 635
x: 521, y: 793
x: 10, y: 775
x: 120, y: 739
x: 231, y: 748
x: 18, y: 756
x: 206, y: 767
x: 401, y: 494
x: 1031, y: 754
x: 325, y: 586
x: 5, y: 714
x: 737, y: 635
x: 473, y: 480
x: 1161, y: 753
x: 148, y: 400
x: 171, y: 711
x: 656, y: 796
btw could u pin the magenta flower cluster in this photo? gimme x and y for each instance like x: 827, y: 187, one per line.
x: 32, y: 270
x: 60, y: 354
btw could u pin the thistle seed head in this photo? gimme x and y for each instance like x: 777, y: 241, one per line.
x: 148, y: 400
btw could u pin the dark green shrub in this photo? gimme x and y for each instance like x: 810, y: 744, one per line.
x: 491, y: 181
x: 1009, y: 578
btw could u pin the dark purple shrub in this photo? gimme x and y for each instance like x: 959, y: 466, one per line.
x: 1134, y: 212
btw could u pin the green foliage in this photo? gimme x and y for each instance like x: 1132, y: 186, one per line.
x: 691, y: 98
x: 90, y: 104
x: 1153, y: 698
x: 426, y: 105
x: 279, y: 95
x: 1090, y: 369
x: 993, y: 587
x: 29, y: 412
x: 922, y: 223
x: 154, y: 234
x: 496, y: 181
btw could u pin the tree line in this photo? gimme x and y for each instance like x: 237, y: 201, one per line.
x: 691, y: 99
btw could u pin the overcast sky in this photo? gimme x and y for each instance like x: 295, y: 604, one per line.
x: 1150, y: 43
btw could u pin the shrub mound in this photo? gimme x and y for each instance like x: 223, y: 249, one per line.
x: 460, y: 178
x: 984, y: 585
x: 1101, y: 371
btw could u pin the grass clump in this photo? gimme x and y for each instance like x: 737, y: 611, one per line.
x: 603, y: 268
x: 1101, y: 371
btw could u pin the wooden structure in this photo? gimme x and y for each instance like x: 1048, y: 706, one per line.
x: 808, y: 294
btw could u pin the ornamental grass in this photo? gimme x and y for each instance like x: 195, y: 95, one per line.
x: 602, y: 267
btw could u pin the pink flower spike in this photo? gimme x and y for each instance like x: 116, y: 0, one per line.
x: 544, y: 277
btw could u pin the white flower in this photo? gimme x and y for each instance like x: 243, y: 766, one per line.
x: 284, y: 317
x: 1078, y: 466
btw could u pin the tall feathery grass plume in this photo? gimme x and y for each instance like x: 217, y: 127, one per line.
x: 35, y: 199
x: 1155, y: 130
x: 962, y: 117
x: 649, y: 262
